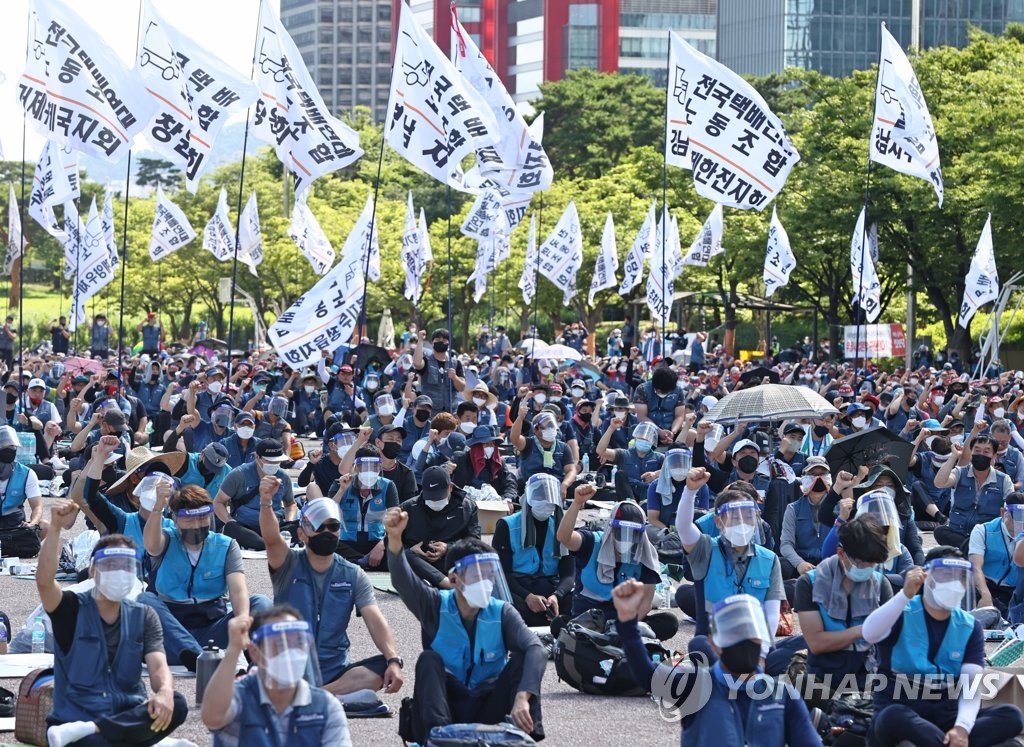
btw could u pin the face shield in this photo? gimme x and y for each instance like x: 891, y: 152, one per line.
x: 481, y: 579
x: 117, y: 569
x: 285, y: 647
x: 546, y: 427
x: 1015, y: 514
x: 385, y: 405
x: 145, y: 491
x: 193, y: 524
x: 678, y: 462
x: 278, y: 407
x: 740, y: 523
x: 645, y: 436
x: 367, y: 471
x: 222, y: 416
x: 543, y: 495
x: 949, y: 583
x: 738, y: 618
x: 711, y: 439
x: 627, y: 536
x: 343, y: 442
x: 880, y: 503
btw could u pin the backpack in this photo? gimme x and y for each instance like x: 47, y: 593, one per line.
x: 589, y: 657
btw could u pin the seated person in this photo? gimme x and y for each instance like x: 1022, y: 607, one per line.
x: 18, y: 486
x: 481, y: 464
x: 324, y: 464
x: 275, y: 699
x: 389, y: 440
x: 539, y: 569
x: 802, y: 530
x: 880, y: 504
x: 325, y: 589
x: 434, y: 447
x: 101, y: 641
x: 606, y: 558
x: 664, y: 493
x: 193, y: 571
x: 930, y: 503
x: 919, y: 636
x: 241, y: 444
x: 993, y: 546
x: 463, y: 678
x: 638, y: 464
x: 237, y: 502
x: 364, y: 496
x: 543, y: 450
x: 978, y: 489
x: 440, y: 515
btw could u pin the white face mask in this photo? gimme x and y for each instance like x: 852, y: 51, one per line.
x: 739, y: 535
x: 215, y: 386
x: 998, y: 412
x: 147, y: 500
x: 269, y: 468
x: 540, y: 398
x: 488, y: 452
x: 310, y: 390
x: 368, y: 479
x: 913, y: 382
x: 467, y: 428
x: 624, y: 548
x: 478, y: 595
x: 622, y: 369
x: 938, y: 400
x: 678, y: 474
x: 545, y: 370
x: 287, y: 668
x: 947, y: 595
x: 542, y: 511
x: 439, y: 505
x: 549, y: 434
x: 578, y: 393
x: 479, y: 401
x: 858, y: 422
x: 385, y: 410
x: 246, y: 432
x: 115, y: 585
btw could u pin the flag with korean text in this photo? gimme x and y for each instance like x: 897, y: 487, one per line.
x: 708, y: 242
x: 219, y: 234
x: 528, y: 280
x: 867, y: 290
x: 779, y: 260
x: 171, y: 229
x: 13, y: 233
x: 94, y: 271
x: 607, y: 261
x: 107, y: 221
x: 307, y: 234
x: 250, y: 238
x: 413, y: 260
x: 51, y: 186
x: 72, y: 234
x: 362, y: 241
x: 643, y: 244
x: 561, y: 255
x: 982, y: 282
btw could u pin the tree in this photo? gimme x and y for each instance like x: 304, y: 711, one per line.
x: 156, y: 172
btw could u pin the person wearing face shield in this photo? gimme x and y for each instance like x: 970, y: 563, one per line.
x: 102, y: 638
x: 539, y: 569
x: 480, y: 663
x: 926, y: 638
x: 275, y: 704
x: 326, y: 589
x: 993, y: 547
x: 741, y: 705
x: 481, y: 464
x: 384, y: 413
x: 544, y: 451
x: 978, y: 490
x: 272, y: 423
x: 664, y: 494
x: 802, y: 532
x: 364, y: 495
x: 638, y: 465
x: 237, y: 501
x: 216, y: 427
x: 241, y: 441
x: 195, y: 571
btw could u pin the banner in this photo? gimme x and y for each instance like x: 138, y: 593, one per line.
x: 414, y: 252
x: 13, y: 233
x: 51, y: 186
x: 482, y: 215
x: 75, y: 90
x: 902, y: 134
x: 708, y: 242
x: 309, y: 237
x: 721, y: 129
x: 779, y: 260
x: 72, y: 241
x: 219, y: 235
x: 94, y: 271
x: 643, y: 244
x: 194, y: 93
x: 982, y: 282
x: 250, y: 238
x: 361, y: 240
x: 561, y: 255
x: 607, y: 261
x: 290, y: 113
x: 436, y: 118
x: 107, y: 221
x: 876, y: 341
x: 660, y: 286
x: 171, y: 229
x: 867, y: 290
x: 528, y: 280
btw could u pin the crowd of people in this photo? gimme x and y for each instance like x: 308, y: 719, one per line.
x: 180, y: 463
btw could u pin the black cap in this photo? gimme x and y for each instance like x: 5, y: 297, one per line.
x: 270, y: 450
x: 392, y: 428
x: 114, y: 418
x: 793, y: 428
x: 436, y: 484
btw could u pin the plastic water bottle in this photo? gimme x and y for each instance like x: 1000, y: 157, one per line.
x: 586, y: 464
x: 38, y: 636
x: 615, y: 471
x: 206, y: 664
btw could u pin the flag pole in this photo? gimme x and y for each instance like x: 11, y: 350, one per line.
x: 451, y: 393
x: 78, y: 265
x: 665, y: 301
x: 21, y: 258
x: 536, y: 282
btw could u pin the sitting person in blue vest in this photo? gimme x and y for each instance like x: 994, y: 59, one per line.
x: 1008, y: 458
x: 18, y: 486
x: 206, y: 468
x: 481, y: 464
x: 193, y: 571
x: 539, y: 569
x: 241, y: 441
x: 101, y: 641
x: 480, y: 663
x: 660, y: 401
x: 543, y: 451
x: 774, y: 717
x: 802, y: 532
x: 275, y: 705
x: 326, y: 590
x: 606, y: 558
x: 931, y: 641
x: 993, y: 546
x: 664, y: 493
x: 978, y: 488
x: 216, y: 425
x: 364, y: 496
x: 832, y: 601
x: 734, y: 563
x: 272, y: 423
x: 623, y: 409
x: 638, y: 465
x: 237, y: 502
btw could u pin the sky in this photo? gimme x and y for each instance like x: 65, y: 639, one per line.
x: 225, y: 27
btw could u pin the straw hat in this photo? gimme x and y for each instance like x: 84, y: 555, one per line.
x: 138, y: 458
x: 481, y: 389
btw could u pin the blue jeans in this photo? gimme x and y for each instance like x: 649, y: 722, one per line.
x: 777, y: 661
x: 178, y: 638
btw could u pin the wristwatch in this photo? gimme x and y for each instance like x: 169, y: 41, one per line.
x: 397, y: 660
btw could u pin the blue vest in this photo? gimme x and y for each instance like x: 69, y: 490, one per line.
x: 819, y: 663
x: 434, y: 382
x: 151, y: 336
x: 721, y: 580
x: 486, y: 661
x: 351, y: 511
x: 706, y: 524
x: 248, y: 514
x: 593, y: 586
x: 619, y: 439
x: 971, y: 508
x: 177, y: 580
x: 1011, y: 462
x: 193, y: 476
x: 909, y: 655
x: 413, y: 433
x: 14, y: 498
x: 635, y: 465
x: 237, y: 456
x: 203, y: 402
x: 998, y: 565
x: 266, y: 429
x: 527, y: 560
x: 338, y: 400
x: 661, y: 410
x: 150, y: 395
x: 134, y: 526
x: 85, y: 686
x: 533, y: 463
x: 328, y: 614
x: 928, y: 471
x: 720, y: 720
x: 257, y: 722
x: 810, y: 534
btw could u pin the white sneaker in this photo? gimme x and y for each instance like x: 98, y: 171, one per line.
x: 69, y: 733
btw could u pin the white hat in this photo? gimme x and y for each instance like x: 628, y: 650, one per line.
x: 37, y: 382
x: 742, y: 444
x: 708, y: 401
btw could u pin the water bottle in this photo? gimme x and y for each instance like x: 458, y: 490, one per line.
x: 38, y: 636
x: 586, y: 464
x: 615, y: 471
x: 206, y: 664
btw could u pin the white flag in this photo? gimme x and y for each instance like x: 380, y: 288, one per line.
x: 483, y: 265
x: 779, y: 260
x: 75, y: 89
x: 194, y: 93
x: 94, y: 270
x: 528, y: 280
x: 13, y: 233
x: 426, y: 251
x: 873, y: 242
x: 73, y: 234
x: 982, y: 283
x: 902, y: 135
x: 50, y: 187
x: 412, y: 254
x: 607, y: 261
x: 708, y: 242
x: 107, y: 221
x: 436, y: 118
x: 643, y: 244
x: 362, y: 241
x: 660, y: 285
x: 219, y: 235
x: 561, y: 255
x: 675, y: 249
x: 482, y: 215
x: 721, y: 129
x: 867, y: 290
x: 171, y: 229
x: 250, y: 238
x: 309, y: 237
x: 291, y: 114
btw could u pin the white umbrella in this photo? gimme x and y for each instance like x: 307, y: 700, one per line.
x: 530, y: 342
x: 769, y: 402
x: 556, y: 353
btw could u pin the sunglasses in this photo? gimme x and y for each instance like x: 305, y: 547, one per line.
x: 330, y: 526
